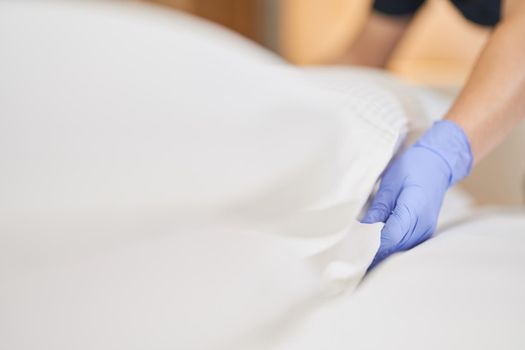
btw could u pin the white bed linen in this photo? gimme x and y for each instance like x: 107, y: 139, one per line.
x: 115, y: 236
x: 463, y: 289
x: 162, y: 187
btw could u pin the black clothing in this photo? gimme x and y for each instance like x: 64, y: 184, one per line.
x: 484, y: 12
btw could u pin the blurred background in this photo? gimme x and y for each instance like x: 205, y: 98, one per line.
x: 315, y: 31
x: 438, y: 51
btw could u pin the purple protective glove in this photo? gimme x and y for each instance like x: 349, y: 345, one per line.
x: 413, y: 186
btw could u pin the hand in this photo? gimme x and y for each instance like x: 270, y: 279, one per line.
x: 413, y: 186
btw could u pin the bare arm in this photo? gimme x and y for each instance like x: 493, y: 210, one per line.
x: 376, y: 41
x: 493, y: 100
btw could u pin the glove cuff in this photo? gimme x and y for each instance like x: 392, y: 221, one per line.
x: 449, y: 141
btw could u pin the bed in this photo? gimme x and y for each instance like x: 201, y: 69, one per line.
x: 166, y: 184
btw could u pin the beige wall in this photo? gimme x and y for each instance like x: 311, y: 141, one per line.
x: 500, y: 178
x: 313, y: 31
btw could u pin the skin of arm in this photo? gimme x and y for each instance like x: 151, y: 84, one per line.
x: 493, y: 99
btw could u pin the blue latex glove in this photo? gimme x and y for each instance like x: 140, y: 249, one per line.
x: 413, y: 186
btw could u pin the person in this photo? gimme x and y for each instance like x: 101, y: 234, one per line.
x: 490, y: 104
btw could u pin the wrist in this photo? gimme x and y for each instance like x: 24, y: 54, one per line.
x: 449, y: 141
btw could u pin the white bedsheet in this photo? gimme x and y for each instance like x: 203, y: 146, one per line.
x: 153, y: 174
x: 463, y: 289
x: 165, y: 184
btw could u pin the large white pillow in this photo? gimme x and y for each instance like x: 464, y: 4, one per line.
x: 152, y: 163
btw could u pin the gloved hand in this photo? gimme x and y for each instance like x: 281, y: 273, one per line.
x: 413, y: 186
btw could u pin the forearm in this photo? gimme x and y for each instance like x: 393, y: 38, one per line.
x: 493, y: 100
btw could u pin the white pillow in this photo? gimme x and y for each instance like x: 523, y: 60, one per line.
x: 127, y: 133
